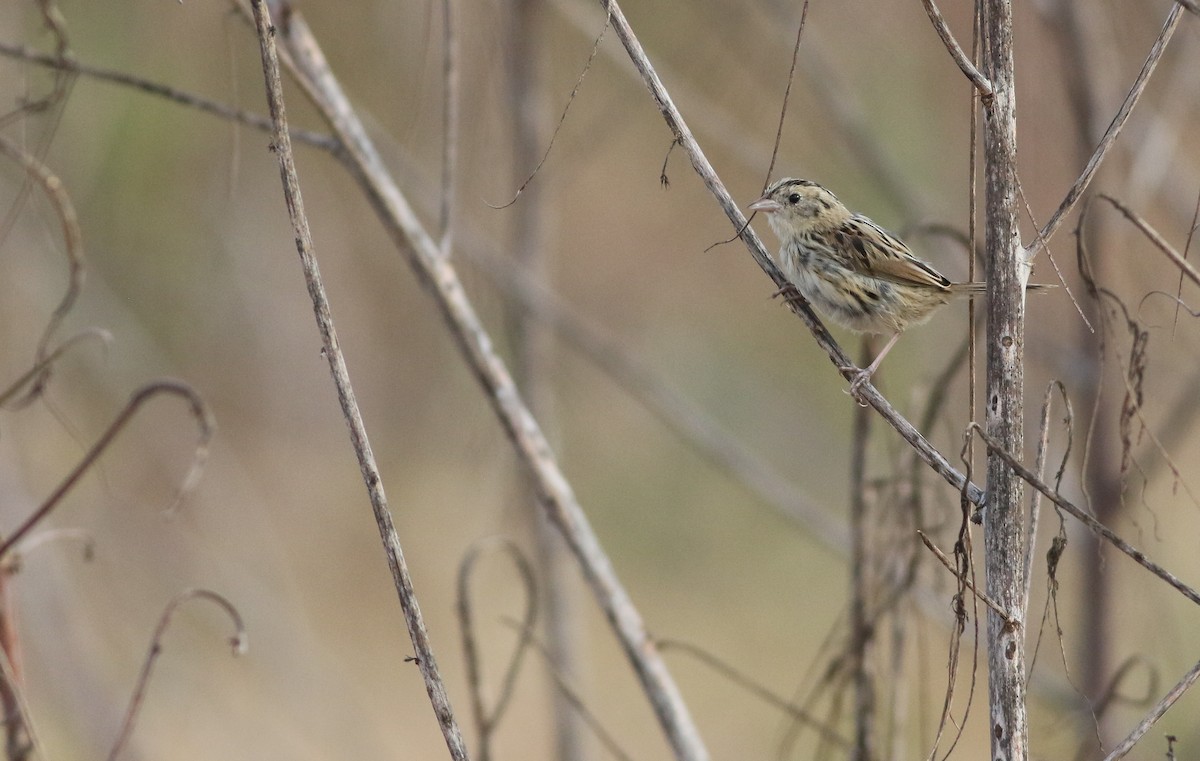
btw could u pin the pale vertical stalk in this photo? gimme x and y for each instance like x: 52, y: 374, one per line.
x: 861, y: 637
x: 450, y: 122
x: 1004, y: 408
x: 1102, y: 480
x: 533, y: 366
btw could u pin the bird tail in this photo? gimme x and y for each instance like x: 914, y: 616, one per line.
x: 976, y: 289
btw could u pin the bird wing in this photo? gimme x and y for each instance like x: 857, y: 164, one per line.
x: 873, y: 251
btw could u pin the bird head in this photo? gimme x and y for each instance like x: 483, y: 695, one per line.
x: 797, y: 206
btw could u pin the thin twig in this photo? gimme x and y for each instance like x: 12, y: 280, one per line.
x: 1110, y: 135
x: 16, y: 560
x: 68, y: 64
x: 42, y: 365
x: 688, y: 419
x: 981, y: 83
x: 1035, y: 499
x: 555, y: 492
x: 973, y: 237
x: 450, y: 124
x: 237, y: 642
x: 1160, y: 708
x: 486, y: 721
x: 708, y: 176
x: 963, y: 573
x: 827, y: 733
x: 995, y: 606
x: 561, y: 120
x: 570, y: 695
x: 282, y: 146
x: 787, y: 94
x: 1094, y: 525
x: 1185, y: 267
x: 200, y: 455
x: 17, y: 739
x: 1187, y: 247
x: 72, y: 245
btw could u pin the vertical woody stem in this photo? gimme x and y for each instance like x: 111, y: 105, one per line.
x: 1004, y: 413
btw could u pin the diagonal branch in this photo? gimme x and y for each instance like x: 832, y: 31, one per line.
x: 980, y: 82
x: 437, y: 273
x: 282, y: 146
x: 1110, y: 136
x: 1096, y: 526
x: 1185, y: 268
x: 1160, y: 708
x: 709, y: 177
x: 71, y: 65
x: 204, y: 422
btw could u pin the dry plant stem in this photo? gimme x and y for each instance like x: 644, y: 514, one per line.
x: 787, y: 92
x: 337, y: 365
x: 238, y: 642
x: 1110, y: 135
x: 34, y: 748
x: 449, y: 124
x: 1185, y: 268
x: 862, y: 628
x: 1191, y: 5
x: 17, y: 745
x: 72, y: 239
x: 995, y: 606
x: 689, y: 420
x: 68, y: 64
x: 708, y: 176
x: 784, y: 705
x: 203, y: 420
x: 837, y: 99
x: 964, y: 63
x: 1035, y: 501
x: 486, y: 721
x: 533, y: 366
x: 51, y: 536
x: 571, y: 697
x: 557, y: 496
x: 1156, y: 713
x: 1095, y: 526
x: 1006, y: 272
x: 972, y: 242
x: 42, y: 365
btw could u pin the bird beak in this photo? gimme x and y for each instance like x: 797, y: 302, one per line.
x: 766, y: 204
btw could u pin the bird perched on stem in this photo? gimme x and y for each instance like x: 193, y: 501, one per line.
x: 852, y: 270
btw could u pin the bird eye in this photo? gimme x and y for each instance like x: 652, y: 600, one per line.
x: 794, y: 198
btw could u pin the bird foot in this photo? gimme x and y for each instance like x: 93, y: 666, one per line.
x: 861, y: 377
x: 788, y: 292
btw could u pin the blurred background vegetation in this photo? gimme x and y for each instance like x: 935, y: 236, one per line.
x: 191, y: 267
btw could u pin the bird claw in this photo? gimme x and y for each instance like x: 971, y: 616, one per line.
x: 861, y: 377
x: 789, y: 292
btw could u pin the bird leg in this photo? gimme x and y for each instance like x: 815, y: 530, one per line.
x: 789, y: 292
x: 865, y: 375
